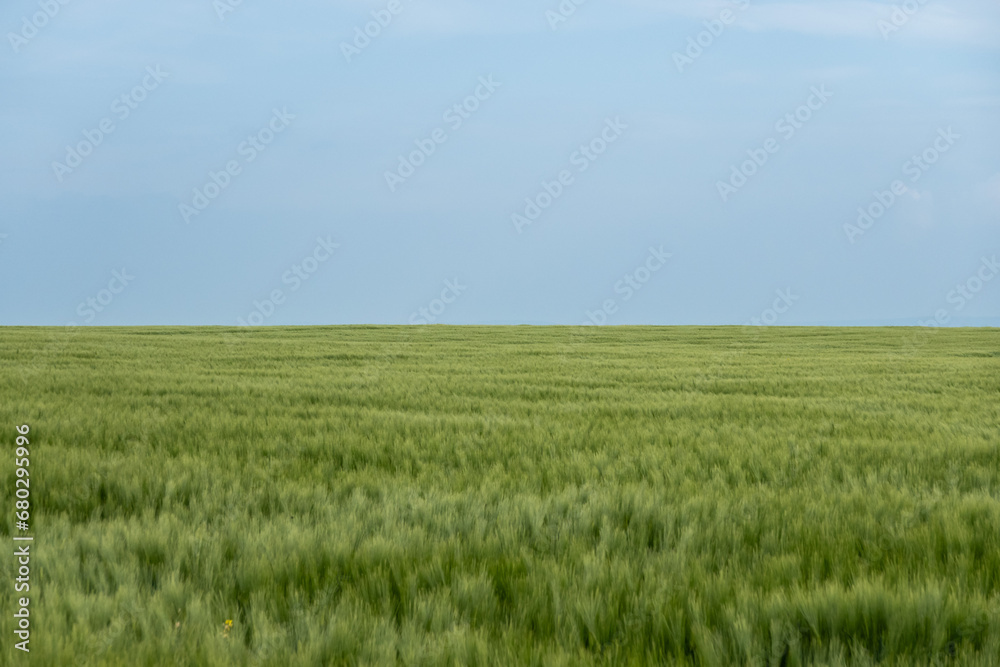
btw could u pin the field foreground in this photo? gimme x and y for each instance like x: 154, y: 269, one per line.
x: 506, y: 496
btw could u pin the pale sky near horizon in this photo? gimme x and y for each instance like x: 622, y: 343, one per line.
x: 632, y: 162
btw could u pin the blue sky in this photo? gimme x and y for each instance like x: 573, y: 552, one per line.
x: 675, y: 182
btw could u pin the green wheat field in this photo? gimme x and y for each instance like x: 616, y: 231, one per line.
x: 505, y: 496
